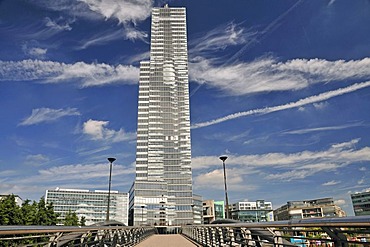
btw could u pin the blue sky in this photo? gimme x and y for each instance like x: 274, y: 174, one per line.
x: 282, y: 87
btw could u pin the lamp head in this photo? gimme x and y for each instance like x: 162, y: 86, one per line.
x: 111, y: 160
x: 223, y: 158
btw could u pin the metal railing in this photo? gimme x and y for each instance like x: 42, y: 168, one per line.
x: 336, y: 232
x: 50, y: 236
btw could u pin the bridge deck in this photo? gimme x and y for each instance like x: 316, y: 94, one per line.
x: 168, y: 240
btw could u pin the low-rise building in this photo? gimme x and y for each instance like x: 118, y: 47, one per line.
x: 213, y: 210
x: 257, y: 211
x: 92, y: 205
x: 316, y: 208
x: 361, y: 203
x: 18, y: 199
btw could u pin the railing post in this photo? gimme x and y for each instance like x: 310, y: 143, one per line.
x: 338, y: 238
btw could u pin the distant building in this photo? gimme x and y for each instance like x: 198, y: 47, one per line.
x: 257, y: 211
x: 316, y: 208
x: 89, y: 204
x: 213, y: 210
x: 18, y: 200
x: 361, y: 203
x: 197, y: 209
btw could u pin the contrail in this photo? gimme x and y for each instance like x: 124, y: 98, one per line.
x: 270, y: 28
x: 296, y: 104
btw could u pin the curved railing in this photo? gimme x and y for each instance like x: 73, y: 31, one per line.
x: 347, y: 231
x: 73, y: 236
x: 336, y: 232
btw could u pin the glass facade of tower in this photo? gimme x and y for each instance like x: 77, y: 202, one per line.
x: 162, y: 192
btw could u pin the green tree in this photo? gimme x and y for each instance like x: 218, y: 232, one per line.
x: 45, y: 215
x: 10, y: 212
x: 71, y: 219
x: 83, y: 221
x: 51, y: 215
x: 28, y: 211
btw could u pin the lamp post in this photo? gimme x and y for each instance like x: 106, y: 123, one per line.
x: 223, y: 158
x: 111, y: 160
x: 142, y: 214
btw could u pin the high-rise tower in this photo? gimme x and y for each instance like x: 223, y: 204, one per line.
x: 162, y: 191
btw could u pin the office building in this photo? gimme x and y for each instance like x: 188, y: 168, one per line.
x: 17, y: 199
x: 162, y: 191
x: 197, y: 209
x: 89, y: 204
x: 361, y: 203
x: 316, y: 208
x: 213, y: 210
x: 257, y: 211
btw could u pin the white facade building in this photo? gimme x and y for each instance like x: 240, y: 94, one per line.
x: 162, y: 191
x: 89, y: 204
x: 257, y: 211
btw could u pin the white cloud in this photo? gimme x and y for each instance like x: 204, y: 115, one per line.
x: 321, y: 105
x: 75, y: 172
x: 330, y: 183
x: 361, y: 181
x: 134, y: 34
x: 123, y: 10
x: 291, y: 105
x: 267, y: 74
x: 36, y: 159
x: 340, y: 202
x: 215, y: 178
x: 45, y: 115
x: 97, y: 131
x: 55, y: 72
x: 31, y: 49
x: 37, y: 52
x: 59, y: 24
x: 105, y: 37
x: 89, y: 176
x: 219, y: 38
x: 293, y: 166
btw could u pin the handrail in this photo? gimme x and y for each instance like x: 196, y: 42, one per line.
x: 338, y: 232
x: 50, y: 236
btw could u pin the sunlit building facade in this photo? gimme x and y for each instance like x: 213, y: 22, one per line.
x: 315, y: 208
x: 258, y: 211
x: 361, y: 203
x: 162, y: 191
x: 92, y: 205
x: 213, y: 210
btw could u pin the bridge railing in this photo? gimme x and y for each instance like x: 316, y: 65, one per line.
x: 50, y: 236
x: 336, y: 232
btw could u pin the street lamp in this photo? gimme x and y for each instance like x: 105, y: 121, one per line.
x: 142, y: 214
x: 111, y: 160
x: 223, y: 158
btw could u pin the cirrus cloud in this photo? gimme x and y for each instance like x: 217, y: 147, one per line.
x: 56, y: 72
x: 268, y: 74
x: 45, y: 115
x: 293, y: 166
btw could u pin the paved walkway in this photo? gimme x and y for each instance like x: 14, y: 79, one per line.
x: 168, y: 240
